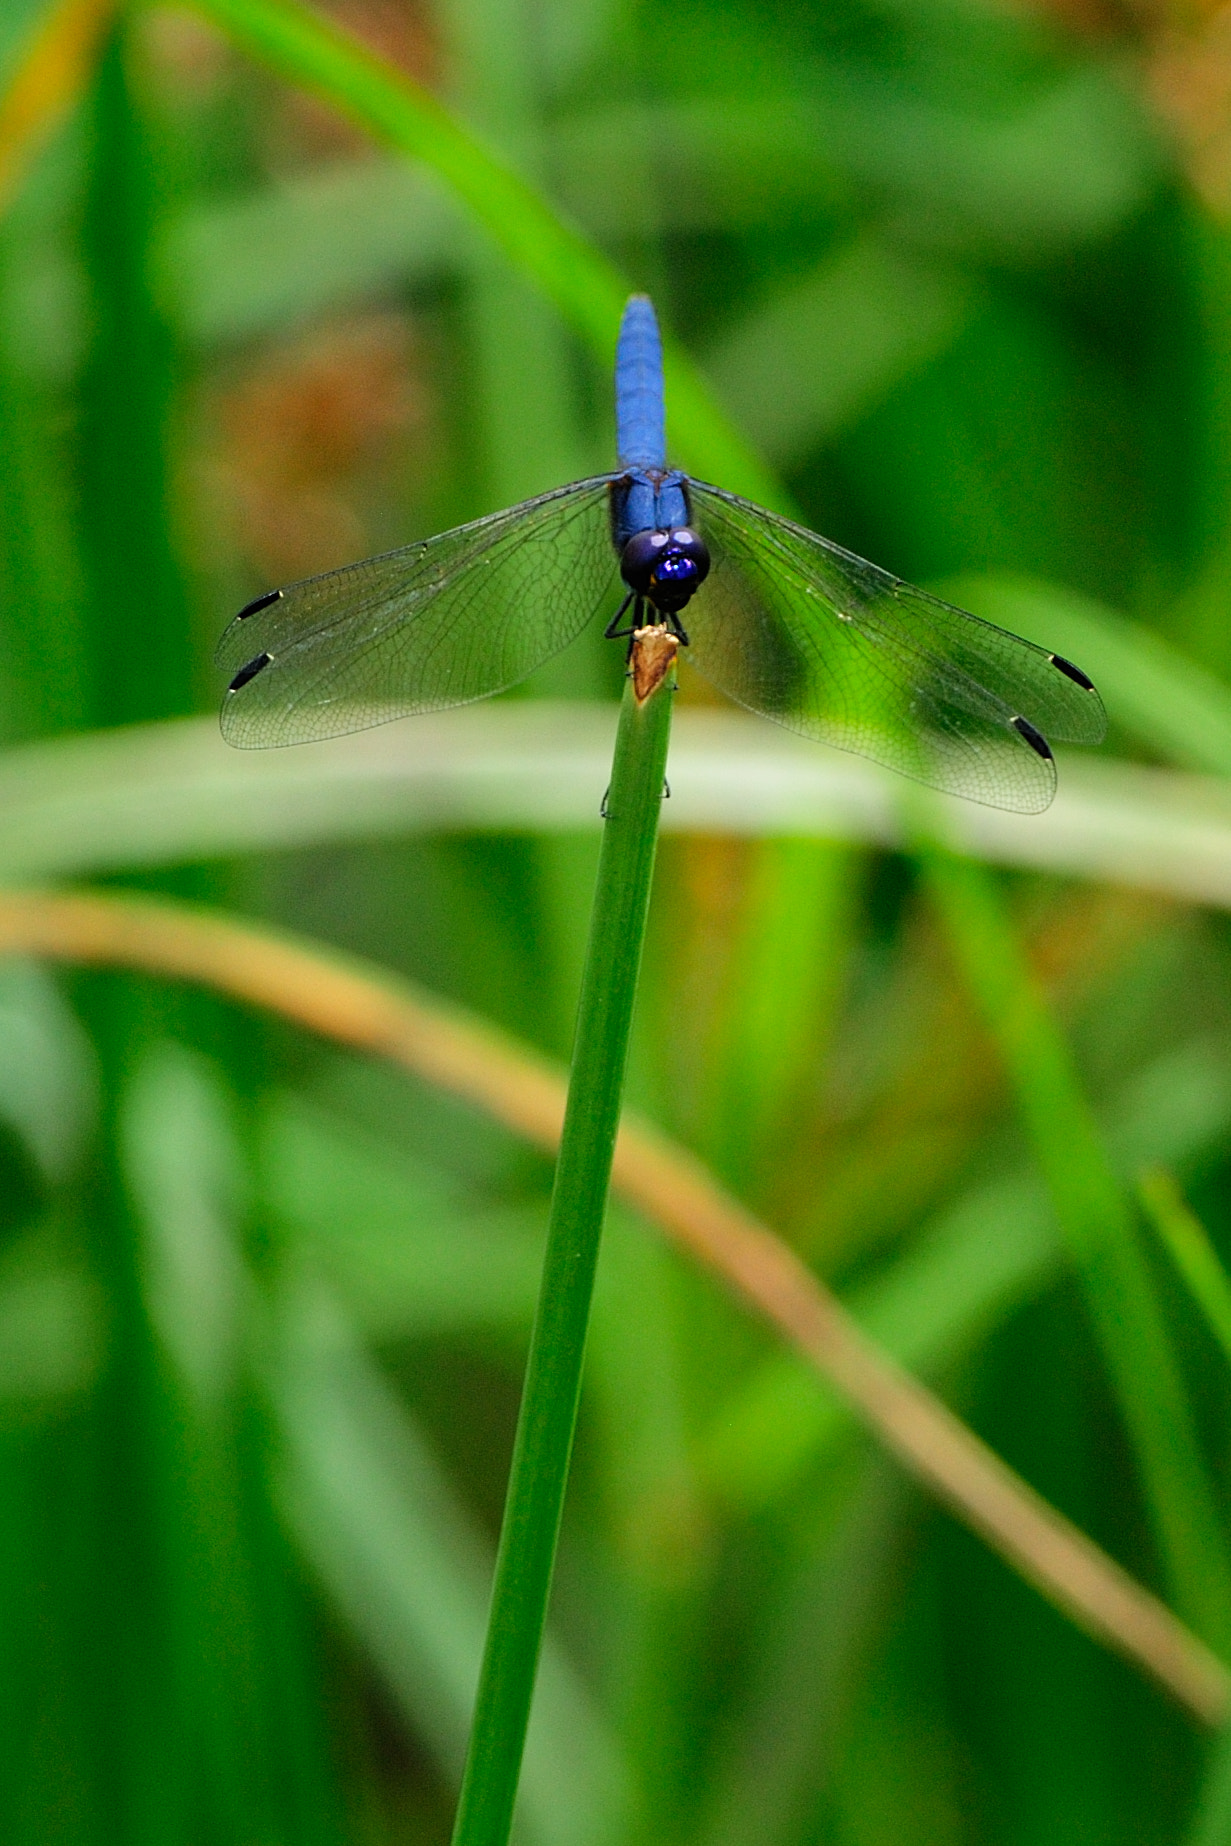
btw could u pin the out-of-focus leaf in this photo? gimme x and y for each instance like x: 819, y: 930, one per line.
x: 42, y: 72
x: 661, y: 1537
x: 19, y: 18
x: 48, y: 1079
x: 775, y: 1017
x: 733, y: 162
x: 329, y: 237
x: 961, y: 1277
x: 307, y: 49
x: 815, y: 357
x: 1066, y: 162
x: 371, y: 1509
x: 53, y: 1323
x: 1094, y: 1212
x: 317, y: 241
x: 44, y: 642
x: 166, y: 794
x: 1191, y: 1250
x: 403, y: 1562
x: 228, y: 1616
x: 409, y: 1252
x: 783, y: 1743
x: 137, y: 669
x: 1212, y: 1821
x: 180, y: 1153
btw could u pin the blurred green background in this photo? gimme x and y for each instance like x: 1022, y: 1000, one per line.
x: 960, y: 271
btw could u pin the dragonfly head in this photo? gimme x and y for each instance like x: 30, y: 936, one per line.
x: 665, y: 567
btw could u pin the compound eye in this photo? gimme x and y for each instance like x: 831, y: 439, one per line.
x: 689, y: 545
x: 639, y: 557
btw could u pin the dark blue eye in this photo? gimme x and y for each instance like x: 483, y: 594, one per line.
x: 640, y: 557
x: 665, y: 567
x: 686, y: 547
x: 674, y: 567
x: 682, y: 565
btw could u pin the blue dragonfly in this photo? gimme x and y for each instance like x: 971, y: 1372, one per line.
x: 783, y: 621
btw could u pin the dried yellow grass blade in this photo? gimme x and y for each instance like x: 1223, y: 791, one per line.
x: 46, y: 80
x: 353, y: 1004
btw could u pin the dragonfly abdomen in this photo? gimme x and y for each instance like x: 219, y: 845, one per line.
x: 641, y: 411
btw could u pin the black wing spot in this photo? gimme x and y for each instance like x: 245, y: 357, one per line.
x: 258, y: 666
x: 1074, y: 673
x: 261, y: 602
x: 1034, y: 738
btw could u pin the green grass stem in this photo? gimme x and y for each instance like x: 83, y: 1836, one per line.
x: 544, y: 1441
x: 1189, y: 1246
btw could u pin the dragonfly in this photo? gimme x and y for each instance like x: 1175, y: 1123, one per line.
x: 781, y: 620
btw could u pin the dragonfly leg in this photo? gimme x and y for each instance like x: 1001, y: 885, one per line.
x: 613, y: 632
x: 602, y: 806
x: 638, y: 620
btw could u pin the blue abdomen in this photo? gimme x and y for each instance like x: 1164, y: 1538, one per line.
x: 641, y: 415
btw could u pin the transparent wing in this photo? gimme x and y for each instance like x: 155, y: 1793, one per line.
x: 439, y: 623
x: 824, y: 643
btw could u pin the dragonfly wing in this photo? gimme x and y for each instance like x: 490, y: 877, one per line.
x: 825, y: 643
x: 435, y: 624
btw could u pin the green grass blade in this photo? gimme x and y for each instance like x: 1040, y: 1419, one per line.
x: 797, y: 922
x: 44, y: 641
x: 253, y: 1716
x: 1188, y: 1242
x: 406, y: 1254
x: 173, y: 794
x: 1096, y: 1219
x: 585, y: 286
x: 142, y: 669
x: 407, y: 1567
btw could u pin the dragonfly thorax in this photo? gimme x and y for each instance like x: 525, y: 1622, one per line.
x: 665, y: 567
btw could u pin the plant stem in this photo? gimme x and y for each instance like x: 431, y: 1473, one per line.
x: 553, y: 1373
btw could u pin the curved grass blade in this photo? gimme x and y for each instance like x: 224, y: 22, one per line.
x: 1191, y: 1249
x: 1093, y: 1212
x: 348, y: 1001
x: 443, y: 622
x: 809, y: 635
x: 45, y: 81
x: 588, y: 290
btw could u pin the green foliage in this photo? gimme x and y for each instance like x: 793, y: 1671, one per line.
x: 940, y: 278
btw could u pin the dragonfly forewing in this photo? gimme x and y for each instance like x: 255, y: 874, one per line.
x: 440, y: 623
x: 805, y: 633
